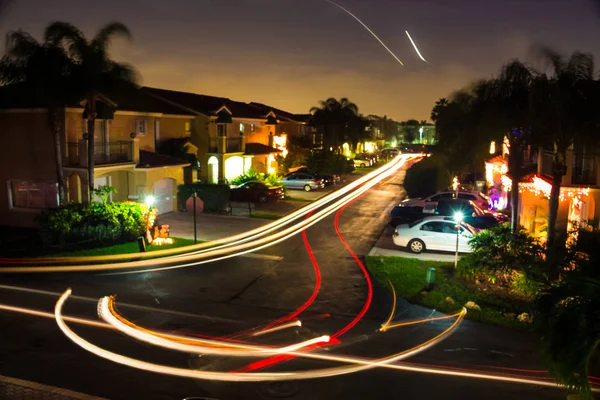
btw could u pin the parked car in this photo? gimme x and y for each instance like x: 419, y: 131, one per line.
x: 472, y: 215
x: 388, y: 154
x: 326, y: 179
x: 256, y: 192
x: 434, y: 233
x: 362, y: 162
x: 301, y: 180
x: 480, y: 199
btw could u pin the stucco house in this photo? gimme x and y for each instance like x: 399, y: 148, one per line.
x: 232, y: 136
x: 126, y: 134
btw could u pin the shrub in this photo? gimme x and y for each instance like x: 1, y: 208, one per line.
x: 106, y: 223
x: 327, y: 163
x: 498, y: 252
x: 215, y: 197
x: 427, y: 177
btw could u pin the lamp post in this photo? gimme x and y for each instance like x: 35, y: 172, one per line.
x: 458, y: 217
x: 195, y: 227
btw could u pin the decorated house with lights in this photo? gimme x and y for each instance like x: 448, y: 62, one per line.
x: 233, y: 137
x: 579, y: 194
x: 127, y: 131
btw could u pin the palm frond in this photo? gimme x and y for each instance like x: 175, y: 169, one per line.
x: 110, y: 30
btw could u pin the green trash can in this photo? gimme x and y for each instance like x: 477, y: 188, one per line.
x: 430, y: 277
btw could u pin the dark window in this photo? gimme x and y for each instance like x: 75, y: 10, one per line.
x: 584, y: 169
x: 30, y: 194
x: 436, y: 226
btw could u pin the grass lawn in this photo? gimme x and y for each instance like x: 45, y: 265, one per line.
x: 265, y: 215
x: 124, y: 248
x: 408, y: 278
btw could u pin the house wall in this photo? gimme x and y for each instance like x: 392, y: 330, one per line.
x: 200, y: 138
x: 28, y: 155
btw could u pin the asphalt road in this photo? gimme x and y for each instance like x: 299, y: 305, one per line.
x: 234, y: 295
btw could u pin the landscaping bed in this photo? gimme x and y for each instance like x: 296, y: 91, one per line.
x: 408, y: 278
x: 124, y: 248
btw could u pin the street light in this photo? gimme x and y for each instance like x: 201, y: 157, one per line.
x: 421, y: 134
x: 458, y: 217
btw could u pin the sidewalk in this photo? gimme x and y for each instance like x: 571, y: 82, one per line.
x: 18, y: 389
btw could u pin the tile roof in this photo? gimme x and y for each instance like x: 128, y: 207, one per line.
x: 149, y: 159
x: 22, y: 95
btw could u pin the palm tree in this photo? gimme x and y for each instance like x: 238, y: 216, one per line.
x: 567, y: 317
x: 333, y: 117
x: 94, y: 73
x: 42, y: 69
x: 440, y: 104
x: 506, y: 108
x: 563, y: 109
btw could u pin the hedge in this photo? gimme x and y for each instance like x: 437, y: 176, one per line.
x: 94, y: 222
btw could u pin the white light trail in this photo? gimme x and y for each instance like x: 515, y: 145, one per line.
x: 271, y: 240
x: 240, y: 238
x: 360, y: 364
x: 367, y: 28
x: 416, y: 48
x: 278, y: 328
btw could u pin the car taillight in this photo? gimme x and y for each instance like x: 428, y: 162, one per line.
x: 317, y: 181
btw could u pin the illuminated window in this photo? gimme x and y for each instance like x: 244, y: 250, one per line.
x: 252, y: 127
x: 188, y: 127
x: 141, y: 127
x: 31, y: 194
x: 241, y: 128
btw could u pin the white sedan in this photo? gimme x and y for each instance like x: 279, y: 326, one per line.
x: 434, y: 233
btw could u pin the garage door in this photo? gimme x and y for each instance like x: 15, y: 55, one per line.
x: 164, y: 193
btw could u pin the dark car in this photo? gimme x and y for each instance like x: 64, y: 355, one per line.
x: 472, y: 214
x: 350, y: 166
x: 256, y: 192
x: 328, y: 180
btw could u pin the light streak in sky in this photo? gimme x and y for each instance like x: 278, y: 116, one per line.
x: 367, y: 28
x: 416, y: 48
x: 359, y: 364
x: 359, y: 186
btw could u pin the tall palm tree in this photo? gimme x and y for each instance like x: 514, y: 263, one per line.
x: 42, y: 69
x: 94, y: 72
x: 333, y: 117
x: 506, y: 107
x: 562, y: 101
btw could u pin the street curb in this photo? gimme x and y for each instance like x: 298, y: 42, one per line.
x: 47, y: 388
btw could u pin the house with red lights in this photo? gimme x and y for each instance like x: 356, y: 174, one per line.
x: 579, y: 194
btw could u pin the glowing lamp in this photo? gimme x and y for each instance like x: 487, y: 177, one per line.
x: 149, y: 200
x: 458, y: 217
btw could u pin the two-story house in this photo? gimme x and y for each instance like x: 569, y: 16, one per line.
x: 231, y: 136
x: 126, y: 134
x: 579, y: 194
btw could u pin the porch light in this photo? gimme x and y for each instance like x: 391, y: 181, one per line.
x: 149, y: 200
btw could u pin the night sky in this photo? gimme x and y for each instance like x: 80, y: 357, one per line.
x: 293, y: 53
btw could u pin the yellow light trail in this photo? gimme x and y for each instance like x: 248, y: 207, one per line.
x: 360, y: 364
x: 366, y: 27
x: 235, y: 249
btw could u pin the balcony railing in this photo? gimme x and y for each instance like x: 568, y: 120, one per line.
x: 113, y: 153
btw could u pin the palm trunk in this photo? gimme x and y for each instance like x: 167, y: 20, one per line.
x: 514, y: 203
x: 91, y: 142
x: 55, y: 126
x: 552, y: 241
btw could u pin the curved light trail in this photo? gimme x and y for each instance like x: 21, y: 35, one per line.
x: 223, y: 242
x: 359, y: 364
x: 416, y: 48
x: 367, y: 28
x: 239, y: 249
